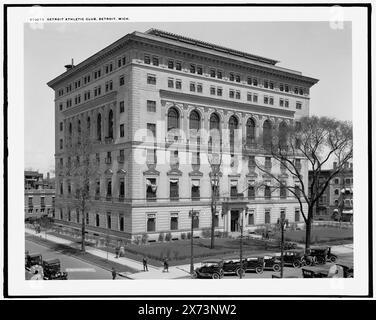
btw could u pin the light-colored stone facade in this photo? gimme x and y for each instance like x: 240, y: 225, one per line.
x: 148, y: 102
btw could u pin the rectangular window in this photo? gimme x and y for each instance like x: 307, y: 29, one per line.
x: 60, y: 107
x: 195, y: 190
x: 251, y: 217
x: 61, y: 126
x: 267, y: 216
x: 122, y: 130
x: 109, y: 188
x: 192, y: 68
x: 287, y: 89
x: 251, y: 190
x: 286, y: 103
x: 30, y: 201
x: 249, y: 96
x: 121, y: 106
x: 174, y: 222
x: 150, y: 225
x: 231, y: 93
x: 199, y: 70
x: 298, y: 106
x: 155, y: 61
x: 219, y: 92
x: 281, y: 87
x: 109, y: 221
x: 231, y: 77
x: 178, y: 66
x: 151, y: 189
x: 212, y: 73
x: 151, y: 79
x: 121, y: 80
x: 192, y: 87
x: 266, y: 84
x: 199, y: 87
x: 219, y: 74
x: 151, y: 129
x: 170, y: 64
x: 297, y: 215
x: 234, y: 189
x: 212, y: 90
x: 266, y: 99
x: 170, y: 82
x: 249, y: 80
x: 255, y: 82
x: 178, y: 84
x: 271, y: 100
x: 237, y: 78
x: 121, y: 188
x: 61, y: 144
x: 146, y: 59
x: 237, y: 96
x: 121, y: 222
x: 174, y: 189
x: 255, y: 98
x: 281, y: 102
x: 271, y: 85
x: 97, y: 221
x: 267, y: 192
x: 301, y: 92
x: 296, y: 91
x: 151, y: 106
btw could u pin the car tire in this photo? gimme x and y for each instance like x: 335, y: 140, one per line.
x: 194, y: 275
x: 240, y: 271
x: 259, y: 270
x: 297, y: 264
x: 216, y: 276
x: 321, y: 260
x: 276, y: 267
x: 333, y: 259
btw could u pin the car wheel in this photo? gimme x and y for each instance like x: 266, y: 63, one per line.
x: 296, y: 264
x: 194, y: 275
x: 333, y: 259
x: 215, y: 276
x: 259, y: 270
x: 276, y: 267
x: 321, y: 260
x: 240, y: 272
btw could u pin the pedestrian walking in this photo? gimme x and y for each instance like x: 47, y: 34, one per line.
x: 145, y: 263
x: 113, y: 272
x: 165, y: 265
x: 117, y: 251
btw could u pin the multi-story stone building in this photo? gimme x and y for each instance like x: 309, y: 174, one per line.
x: 39, y: 195
x: 337, y: 201
x: 153, y: 101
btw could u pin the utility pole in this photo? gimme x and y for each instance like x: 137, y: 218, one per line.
x: 192, y: 269
x: 282, y: 222
x: 241, y: 248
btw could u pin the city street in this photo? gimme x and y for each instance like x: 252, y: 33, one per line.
x: 77, y: 269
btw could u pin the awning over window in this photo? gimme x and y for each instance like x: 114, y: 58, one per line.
x: 234, y: 183
x: 174, y: 214
x: 195, y: 183
x: 151, y: 215
x: 174, y: 180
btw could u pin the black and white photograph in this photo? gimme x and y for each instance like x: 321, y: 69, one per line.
x: 199, y: 150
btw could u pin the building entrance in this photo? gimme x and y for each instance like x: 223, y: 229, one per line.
x: 234, y: 220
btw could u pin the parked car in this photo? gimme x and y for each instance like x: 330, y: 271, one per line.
x: 322, y: 254
x: 273, y: 263
x: 232, y: 265
x: 209, y: 269
x: 253, y: 264
x: 32, y: 259
x: 296, y: 258
x: 52, y: 270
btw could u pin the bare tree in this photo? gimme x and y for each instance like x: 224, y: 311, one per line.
x: 316, y: 140
x: 82, y: 168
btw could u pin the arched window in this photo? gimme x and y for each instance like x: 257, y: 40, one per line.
x: 214, y: 135
x: 194, y: 120
x: 172, y: 119
x: 214, y: 122
x: 99, y: 127
x: 250, y: 132
x: 283, y: 135
x: 232, y: 125
x: 267, y: 133
x: 110, y: 124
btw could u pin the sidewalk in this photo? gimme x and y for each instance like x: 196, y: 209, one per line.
x: 175, y: 272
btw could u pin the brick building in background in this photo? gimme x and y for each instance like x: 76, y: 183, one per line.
x: 337, y: 201
x: 39, y: 195
x: 173, y: 87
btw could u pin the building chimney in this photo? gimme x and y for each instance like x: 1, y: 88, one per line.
x: 69, y: 66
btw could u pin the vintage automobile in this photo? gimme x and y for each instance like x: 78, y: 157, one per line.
x: 52, y: 270
x: 209, y: 269
x: 252, y: 264
x: 32, y: 260
x: 232, y: 265
x: 273, y: 263
x: 322, y: 254
x: 296, y: 258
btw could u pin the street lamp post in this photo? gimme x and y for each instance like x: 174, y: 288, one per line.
x: 193, y: 216
x: 241, y: 248
x: 282, y: 224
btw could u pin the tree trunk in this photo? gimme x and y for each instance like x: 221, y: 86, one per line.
x: 308, y: 228
x: 83, y: 232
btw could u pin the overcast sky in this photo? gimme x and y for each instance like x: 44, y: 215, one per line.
x: 310, y: 47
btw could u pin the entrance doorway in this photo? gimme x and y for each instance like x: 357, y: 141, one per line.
x: 234, y: 220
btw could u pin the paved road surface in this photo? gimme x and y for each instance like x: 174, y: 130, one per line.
x: 77, y: 269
